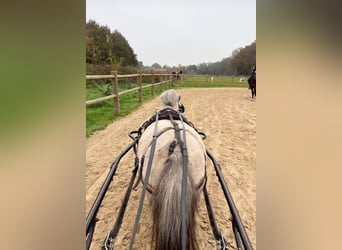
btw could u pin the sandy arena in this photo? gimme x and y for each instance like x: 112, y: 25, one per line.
x: 228, y: 117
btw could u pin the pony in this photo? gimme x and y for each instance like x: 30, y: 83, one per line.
x: 252, y: 84
x: 165, y: 178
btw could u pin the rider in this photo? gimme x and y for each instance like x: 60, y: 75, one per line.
x: 254, y: 71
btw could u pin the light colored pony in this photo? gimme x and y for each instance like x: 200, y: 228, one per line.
x: 212, y: 79
x: 165, y: 180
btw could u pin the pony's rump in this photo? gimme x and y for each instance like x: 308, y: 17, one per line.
x: 166, y: 134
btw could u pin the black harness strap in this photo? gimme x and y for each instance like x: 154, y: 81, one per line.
x: 235, y: 214
x: 109, y: 241
x: 177, y: 139
x: 90, y: 234
x: 165, y: 114
x: 222, y: 244
x: 236, y: 234
x: 184, y: 187
x: 140, y: 172
x: 172, y: 146
x: 182, y: 145
x: 148, y: 171
x: 91, y: 218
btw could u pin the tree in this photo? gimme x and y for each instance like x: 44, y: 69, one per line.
x: 92, y: 51
x: 243, y: 60
x: 121, y: 49
x: 104, y: 47
x: 99, y: 36
x: 156, y: 66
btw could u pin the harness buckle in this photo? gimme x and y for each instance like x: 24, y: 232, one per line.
x: 222, y: 243
x: 172, y: 146
x: 137, y: 132
x: 108, y: 243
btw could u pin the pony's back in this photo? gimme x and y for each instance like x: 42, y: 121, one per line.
x: 166, y: 134
x: 165, y: 183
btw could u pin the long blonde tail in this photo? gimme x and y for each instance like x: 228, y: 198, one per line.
x: 166, y: 207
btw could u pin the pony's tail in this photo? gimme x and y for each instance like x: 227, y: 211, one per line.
x: 166, y: 207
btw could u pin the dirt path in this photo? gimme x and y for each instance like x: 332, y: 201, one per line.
x: 228, y: 117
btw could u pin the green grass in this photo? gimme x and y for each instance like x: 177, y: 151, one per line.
x: 98, y: 116
x: 204, y: 82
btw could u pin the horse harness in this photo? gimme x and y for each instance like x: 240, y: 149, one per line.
x: 173, y: 116
x: 165, y: 114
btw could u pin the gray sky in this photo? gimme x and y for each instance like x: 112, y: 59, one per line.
x: 179, y: 32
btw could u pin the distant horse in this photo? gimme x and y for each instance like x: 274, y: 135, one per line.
x: 252, y: 84
x: 165, y: 179
x: 242, y: 79
x: 177, y: 74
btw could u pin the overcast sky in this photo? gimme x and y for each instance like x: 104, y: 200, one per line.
x: 180, y: 31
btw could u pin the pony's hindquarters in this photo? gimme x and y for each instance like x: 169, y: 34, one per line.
x: 166, y: 134
x: 166, y: 206
x: 165, y: 182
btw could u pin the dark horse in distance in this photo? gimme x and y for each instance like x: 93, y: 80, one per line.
x: 252, y: 82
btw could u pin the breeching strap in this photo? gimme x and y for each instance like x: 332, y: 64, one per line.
x: 211, y: 214
x: 235, y: 214
x: 109, y: 241
x: 90, y: 222
x: 222, y: 244
x: 184, y: 187
x: 90, y: 234
x: 148, y: 171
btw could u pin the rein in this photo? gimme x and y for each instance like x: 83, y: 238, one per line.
x: 148, y: 171
x: 184, y: 186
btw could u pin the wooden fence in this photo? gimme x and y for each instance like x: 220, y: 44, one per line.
x: 164, y: 79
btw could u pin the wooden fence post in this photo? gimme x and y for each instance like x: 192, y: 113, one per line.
x: 161, y: 80
x: 140, y: 88
x: 152, y: 88
x: 116, y: 93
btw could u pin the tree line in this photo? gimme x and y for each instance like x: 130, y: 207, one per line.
x: 106, y: 51
x: 239, y: 63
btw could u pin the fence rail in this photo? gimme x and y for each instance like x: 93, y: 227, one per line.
x: 164, y: 79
